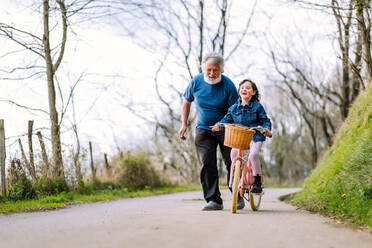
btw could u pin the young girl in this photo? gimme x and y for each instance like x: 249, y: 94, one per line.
x: 247, y: 111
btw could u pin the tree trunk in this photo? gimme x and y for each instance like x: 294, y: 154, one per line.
x: 345, y: 75
x: 343, y: 27
x: 366, y: 31
x: 201, y: 35
x: 55, y: 129
x: 280, y: 163
x: 357, y: 80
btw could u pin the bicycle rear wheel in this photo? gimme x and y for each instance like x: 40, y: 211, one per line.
x: 235, y: 186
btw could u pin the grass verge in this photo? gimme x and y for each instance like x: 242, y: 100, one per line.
x: 341, y: 185
x: 64, y: 199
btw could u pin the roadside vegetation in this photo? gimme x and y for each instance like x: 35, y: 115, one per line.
x: 131, y: 175
x: 65, y: 199
x: 341, y: 185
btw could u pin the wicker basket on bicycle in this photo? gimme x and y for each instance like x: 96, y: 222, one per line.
x: 237, y: 136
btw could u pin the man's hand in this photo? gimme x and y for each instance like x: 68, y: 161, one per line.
x: 182, y: 132
x: 185, y: 115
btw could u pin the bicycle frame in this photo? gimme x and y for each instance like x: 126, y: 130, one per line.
x: 245, y: 174
x: 246, y: 179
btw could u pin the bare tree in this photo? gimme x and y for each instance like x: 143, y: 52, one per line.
x: 353, y: 22
x: 51, y: 53
x: 51, y: 68
x: 314, y: 96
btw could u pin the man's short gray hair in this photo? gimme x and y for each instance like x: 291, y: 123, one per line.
x: 214, y: 58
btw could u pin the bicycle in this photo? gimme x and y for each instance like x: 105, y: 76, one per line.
x: 241, y: 175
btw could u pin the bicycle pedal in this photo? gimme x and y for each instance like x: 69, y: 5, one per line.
x: 262, y: 193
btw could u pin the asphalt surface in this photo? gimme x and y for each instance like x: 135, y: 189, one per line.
x: 176, y: 220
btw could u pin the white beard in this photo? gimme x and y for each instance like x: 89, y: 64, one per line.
x: 212, y: 81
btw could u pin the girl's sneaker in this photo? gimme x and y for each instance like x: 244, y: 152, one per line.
x: 257, y: 187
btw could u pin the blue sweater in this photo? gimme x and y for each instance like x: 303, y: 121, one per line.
x: 212, y: 100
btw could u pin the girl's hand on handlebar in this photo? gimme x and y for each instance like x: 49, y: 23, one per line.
x: 216, y: 128
x: 267, y: 133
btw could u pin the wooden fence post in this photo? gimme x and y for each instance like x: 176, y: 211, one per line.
x: 92, y: 162
x: 30, y: 148
x: 12, y: 173
x: 44, y: 154
x: 107, y: 166
x: 2, y: 158
x: 27, y: 164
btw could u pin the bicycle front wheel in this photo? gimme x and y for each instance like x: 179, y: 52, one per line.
x: 235, y: 186
x: 255, y: 200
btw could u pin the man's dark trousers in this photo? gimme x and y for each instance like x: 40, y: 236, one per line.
x: 206, y: 143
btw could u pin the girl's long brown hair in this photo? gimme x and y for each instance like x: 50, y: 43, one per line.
x: 255, y: 97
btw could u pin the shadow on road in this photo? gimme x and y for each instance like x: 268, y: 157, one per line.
x: 266, y: 211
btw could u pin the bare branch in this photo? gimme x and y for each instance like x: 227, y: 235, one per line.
x: 244, y: 33
x: 15, y: 69
x: 64, y: 34
x: 8, y: 32
x: 23, y: 78
x: 72, y: 90
x: 25, y: 107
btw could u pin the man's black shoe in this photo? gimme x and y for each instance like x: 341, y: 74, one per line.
x: 211, y: 205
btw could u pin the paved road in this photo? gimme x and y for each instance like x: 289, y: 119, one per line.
x: 175, y: 220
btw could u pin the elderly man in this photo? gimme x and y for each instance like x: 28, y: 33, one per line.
x: 214, y: 93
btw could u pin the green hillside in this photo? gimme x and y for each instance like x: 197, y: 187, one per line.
x: 341, y: 185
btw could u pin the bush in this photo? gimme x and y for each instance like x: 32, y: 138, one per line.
x: 50, y: 186
x: 135, y: 171
x: 22, y: 189
x: 94, y: 185
x: 80, y: 187
x: 60, y: 198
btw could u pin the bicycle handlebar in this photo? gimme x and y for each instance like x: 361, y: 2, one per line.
x: 259, y: 129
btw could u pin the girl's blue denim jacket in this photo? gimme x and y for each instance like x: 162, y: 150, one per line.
x: 252, y: 114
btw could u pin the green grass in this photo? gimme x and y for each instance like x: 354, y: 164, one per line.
x: 64, y: 199
x: 341, y: 185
